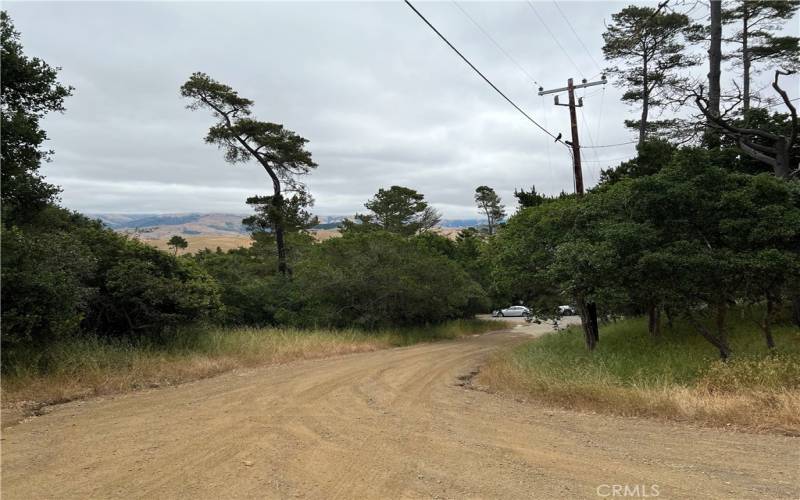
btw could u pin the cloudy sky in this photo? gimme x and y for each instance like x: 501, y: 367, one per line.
x: 381, y: 99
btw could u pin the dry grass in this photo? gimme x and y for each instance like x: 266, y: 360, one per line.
x: 676, y: 378
x: 78, y: 368
x: 200, y: 242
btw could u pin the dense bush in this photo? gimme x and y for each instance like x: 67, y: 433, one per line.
x: 378, y: 278
x: 44, y: 285
x: 252, y: 292
x: 65, y: 274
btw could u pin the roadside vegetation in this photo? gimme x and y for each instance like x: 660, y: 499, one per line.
x: 677, y: 377
x: 78, y: 367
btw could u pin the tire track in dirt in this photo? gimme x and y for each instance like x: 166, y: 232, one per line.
x: 383, y: 424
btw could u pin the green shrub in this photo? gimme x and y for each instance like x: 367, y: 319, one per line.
x: 378, y: 278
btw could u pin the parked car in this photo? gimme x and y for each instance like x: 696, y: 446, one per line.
x: 566, y: 311
x: 512, y: 311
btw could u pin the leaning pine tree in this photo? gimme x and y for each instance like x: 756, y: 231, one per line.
x: 280, y: 151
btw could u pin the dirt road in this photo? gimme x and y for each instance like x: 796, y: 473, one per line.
x: 386, y: 424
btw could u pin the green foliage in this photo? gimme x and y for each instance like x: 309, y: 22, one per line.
x: 30, y: 90
x: 379, y: 278
x: 291, y: 213
x: 279, y: 150
x: 251, y: 291
x: 398, y: 210
x: 527, y: 199
x: 649, y: 45
x: 144, y: 291
x: 67, y: 275
x: 755, y: 25
x: 281, y: 153
x: 689, y: 236
x: 45, y: 290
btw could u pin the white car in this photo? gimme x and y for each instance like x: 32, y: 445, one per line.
x: 512, y: 311
x: 566, y: 311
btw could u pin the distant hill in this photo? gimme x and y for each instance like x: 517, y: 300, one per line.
x: 159, y: 226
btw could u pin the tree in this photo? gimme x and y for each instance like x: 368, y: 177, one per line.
x: 757, y: 43
x: 650, y: 47
x: 489, y: 203
x: 30, y: 90
x: 714, y: 72
x: 530, y: 198
x: 399, y: 210
x: 774, y: 149
x: 293, y: 214
x: 176, y: 243
x: 281, y: 152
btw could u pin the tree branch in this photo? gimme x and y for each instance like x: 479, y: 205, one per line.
x: 788, y: 102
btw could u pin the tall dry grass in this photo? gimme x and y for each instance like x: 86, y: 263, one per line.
x: 677, y: 377
x: 89, y: 366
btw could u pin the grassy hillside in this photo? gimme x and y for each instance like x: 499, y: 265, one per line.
x: 677, y: 377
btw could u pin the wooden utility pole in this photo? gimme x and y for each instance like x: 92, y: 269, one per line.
x: 588, y: 310
x: 573, y: 117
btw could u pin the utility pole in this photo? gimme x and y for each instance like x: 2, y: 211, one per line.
x: 575, y: 143
x: 588, y: 310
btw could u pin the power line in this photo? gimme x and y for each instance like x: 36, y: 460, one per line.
x: 496, y: 44
x: 609, y: 160
x: 781, y: 102
x: 554, y: 38
x: 577, y: 36
x: 526, y: 115
x: 609, y: 145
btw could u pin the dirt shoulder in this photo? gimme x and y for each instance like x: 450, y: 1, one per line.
x: 393, y: 423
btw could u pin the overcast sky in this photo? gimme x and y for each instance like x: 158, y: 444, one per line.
x: 381, y: 99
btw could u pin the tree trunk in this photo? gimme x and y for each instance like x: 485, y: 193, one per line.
x: 645, y: 103
x: 277, y: 203
x: 591, y: 307
x: 720, y: 344
x: 783, y: 159
x: 745, y: 60
x: 767, y: 324
x: 714, y: 71
x: 796, y: 310
x: 722, y: 314
x: 588, y: 333
x: 654, y: 321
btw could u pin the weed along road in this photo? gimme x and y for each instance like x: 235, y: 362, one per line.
x: 395, y: 423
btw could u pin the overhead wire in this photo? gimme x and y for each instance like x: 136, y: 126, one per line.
x: 495, y: 42
x: 577, y: 36
x: 464, y: 58
x: 547, y: 28
x: 585, y: 124
x: 609, y: 145
x: 779, y: 103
